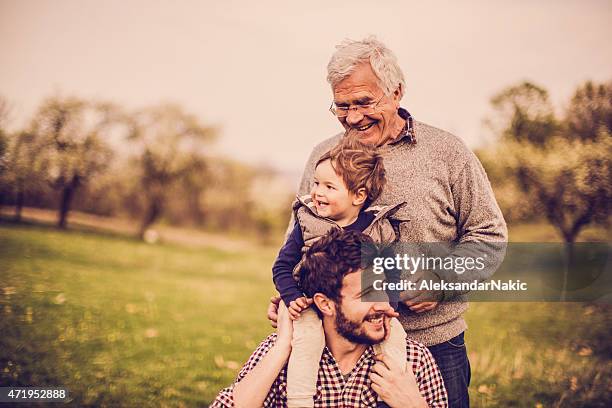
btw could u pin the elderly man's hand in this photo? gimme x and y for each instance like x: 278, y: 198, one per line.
x: 420, y: 301
x: 398, y: 388
x: 273, y: 310
x: 420, y: 307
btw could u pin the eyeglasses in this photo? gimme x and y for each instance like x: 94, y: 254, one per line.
x: 365, y: 109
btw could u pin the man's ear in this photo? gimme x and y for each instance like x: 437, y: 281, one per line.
x: 398, y: 93
x: 326, y: 306
x: 360, y: 196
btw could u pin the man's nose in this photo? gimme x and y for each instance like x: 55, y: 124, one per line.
x: 354, y: 117
x: 381, y: 306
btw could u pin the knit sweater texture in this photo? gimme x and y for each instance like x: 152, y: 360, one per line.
x: 450, y: 200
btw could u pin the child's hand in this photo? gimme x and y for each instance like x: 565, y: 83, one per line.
x: 297, y: 306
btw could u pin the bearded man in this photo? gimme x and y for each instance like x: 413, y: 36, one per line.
x: 350, y: 374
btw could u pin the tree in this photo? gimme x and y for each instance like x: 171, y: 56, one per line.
x: 561, y: 163
x: 169, y: 147
x: 524, y: 114
x: 4, y: 113
x: 590, y: 111
x: 70, y: 134
x: 563, y: 166
x: 570, y: 179
x: 23, y: 167
x: 3, y: 165
x: 3, y: 149
x: 3, y: 155
x: 18, y: 161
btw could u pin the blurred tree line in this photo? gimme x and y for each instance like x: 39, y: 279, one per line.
x: 149, y: 165
x: 154, y: 164
x: 548, y: 165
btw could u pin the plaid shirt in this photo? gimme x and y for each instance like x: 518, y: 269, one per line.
x: 332, y: 388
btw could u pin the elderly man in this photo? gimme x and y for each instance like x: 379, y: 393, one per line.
x: 448, y: 194
x: 349, y: 373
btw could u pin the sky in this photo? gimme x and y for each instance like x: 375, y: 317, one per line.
x: 257, y: 70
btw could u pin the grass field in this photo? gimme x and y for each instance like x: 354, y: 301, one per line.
x: 122, y: 323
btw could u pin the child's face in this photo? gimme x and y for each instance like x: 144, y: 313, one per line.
x: 330, y: 195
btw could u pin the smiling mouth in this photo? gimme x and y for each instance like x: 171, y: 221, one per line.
x: 365, y: 127
x: 376, y: 318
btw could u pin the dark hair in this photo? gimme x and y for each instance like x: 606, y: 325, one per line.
x: 359, y: 165
x: 331, y: 258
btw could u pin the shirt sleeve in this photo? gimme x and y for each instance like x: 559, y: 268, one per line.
x: 225, y: 397
x: 282, y: 270
x: 430, y: 381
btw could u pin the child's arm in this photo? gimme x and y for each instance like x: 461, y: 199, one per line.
x: 282, y: 270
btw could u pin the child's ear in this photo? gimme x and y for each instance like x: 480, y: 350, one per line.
x: 325, y: 304
x: 360, y: 196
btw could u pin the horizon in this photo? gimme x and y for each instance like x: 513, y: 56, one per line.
x: 257, y: 71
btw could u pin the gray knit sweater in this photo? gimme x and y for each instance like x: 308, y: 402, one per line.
x: 449, y: 200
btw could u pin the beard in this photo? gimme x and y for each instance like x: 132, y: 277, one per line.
x: 353, y: 331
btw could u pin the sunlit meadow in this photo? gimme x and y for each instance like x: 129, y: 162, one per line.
x: 122, y: 323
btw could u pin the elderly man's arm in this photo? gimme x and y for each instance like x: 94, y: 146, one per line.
x: 482, y: 234
x: 479, y: 218
x: 481, y: 226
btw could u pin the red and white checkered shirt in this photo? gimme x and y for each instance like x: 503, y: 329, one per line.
x: 333, y: 390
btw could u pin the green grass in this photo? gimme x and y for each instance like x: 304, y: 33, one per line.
x: 119, y: 322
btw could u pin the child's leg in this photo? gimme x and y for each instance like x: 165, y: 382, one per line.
x: 303, y: 368
x: 395, y: 345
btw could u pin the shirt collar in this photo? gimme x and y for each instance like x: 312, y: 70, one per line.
x: 367, y: 356
x: 408, y: 133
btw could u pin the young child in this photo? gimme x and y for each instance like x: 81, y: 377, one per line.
x: 347, y: 180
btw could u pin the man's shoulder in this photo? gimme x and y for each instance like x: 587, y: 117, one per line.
x: 416, y: 347
x: 444, y: 147
x: 438, y: 138
x: 270, y: 340
x: 263, y: 347
x: 417, y: 353
x: 225, y: 397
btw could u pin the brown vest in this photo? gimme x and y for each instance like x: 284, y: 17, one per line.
x: 313, y: 226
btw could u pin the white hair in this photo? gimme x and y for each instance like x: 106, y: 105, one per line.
x: 350, y: 53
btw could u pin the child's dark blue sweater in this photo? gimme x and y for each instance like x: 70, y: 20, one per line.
x: 291, y: 254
